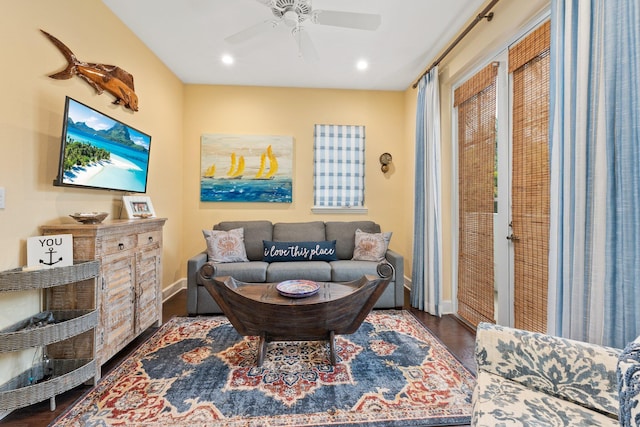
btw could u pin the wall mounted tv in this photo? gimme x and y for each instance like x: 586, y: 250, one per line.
x: 98, y: 151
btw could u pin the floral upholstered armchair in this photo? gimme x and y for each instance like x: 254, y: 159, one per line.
x: 629, y: 384
x: 532, y: 379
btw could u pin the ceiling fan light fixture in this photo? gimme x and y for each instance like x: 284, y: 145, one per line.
x: 301, y: 8
x: 227, y: 59
x: 291, y: 18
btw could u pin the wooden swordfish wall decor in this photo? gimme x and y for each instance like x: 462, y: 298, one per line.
x: 101, y: 77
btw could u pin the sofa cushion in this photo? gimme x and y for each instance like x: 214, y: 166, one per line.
x: 299, y: 251
x: 347, y: 270
x: 318, y: 271
x: 252, y: 271
x: 298, y: 231
x: 344, y: 232
x: 371, y: 246
x: 254, y: 233
x: 498, y: 401
x: 225, y: 246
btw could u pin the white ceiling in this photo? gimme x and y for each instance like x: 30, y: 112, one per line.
x: 189, y: 37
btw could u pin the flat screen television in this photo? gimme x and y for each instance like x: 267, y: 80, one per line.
x: 98, y: 151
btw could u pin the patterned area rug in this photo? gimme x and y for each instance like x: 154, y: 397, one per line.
x: 199, y: 372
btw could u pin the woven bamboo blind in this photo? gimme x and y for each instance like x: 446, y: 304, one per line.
x: 529, y: 65
x: 476, y: 102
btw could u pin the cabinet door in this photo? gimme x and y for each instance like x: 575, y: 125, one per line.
x: 118, y: 276
x: 147, y: 290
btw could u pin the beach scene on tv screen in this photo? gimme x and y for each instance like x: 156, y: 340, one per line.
x: 101, y: 152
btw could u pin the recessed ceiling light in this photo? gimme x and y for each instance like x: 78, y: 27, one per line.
x: 362, y: 65
x: 227, y: 59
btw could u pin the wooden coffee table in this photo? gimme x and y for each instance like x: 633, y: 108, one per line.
x: 258, y: 309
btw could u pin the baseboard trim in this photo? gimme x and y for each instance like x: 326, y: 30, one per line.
x: 446, y: 307
x: 173, y: 289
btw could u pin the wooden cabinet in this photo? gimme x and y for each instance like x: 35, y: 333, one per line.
x: 130, y: 282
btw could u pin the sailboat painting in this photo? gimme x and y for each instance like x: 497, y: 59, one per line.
x: 246, y: 168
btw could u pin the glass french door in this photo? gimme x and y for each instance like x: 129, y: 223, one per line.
x: 529, y: 65
x: 477, y: 120
x: 503, y: 187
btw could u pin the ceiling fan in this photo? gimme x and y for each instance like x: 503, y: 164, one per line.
x: 293, y: 13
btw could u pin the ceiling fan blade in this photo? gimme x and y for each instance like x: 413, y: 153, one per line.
x: 253, y: 31
x: 359, y: 21
x: 306, y: 49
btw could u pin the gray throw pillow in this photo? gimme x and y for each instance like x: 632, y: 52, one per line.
x: 371, y: 246
x: 225, y: 246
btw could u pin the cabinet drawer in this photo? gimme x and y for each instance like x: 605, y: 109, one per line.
x: 149, y: 238
x: 112, y: 245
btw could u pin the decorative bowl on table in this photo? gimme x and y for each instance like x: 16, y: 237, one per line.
x: 89, y: 217
x: 297, y: 288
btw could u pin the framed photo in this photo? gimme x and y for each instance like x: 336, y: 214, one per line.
x: 138, y: 207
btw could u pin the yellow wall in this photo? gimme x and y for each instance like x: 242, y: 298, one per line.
x: 31, y: 122
x: 293, y: 112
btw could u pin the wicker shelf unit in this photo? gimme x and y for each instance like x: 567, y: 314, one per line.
x: 69, y: 342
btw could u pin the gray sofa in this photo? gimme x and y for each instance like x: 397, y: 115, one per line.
x: 344, y: 269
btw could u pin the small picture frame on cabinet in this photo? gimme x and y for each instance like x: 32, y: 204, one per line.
x: 138, y: 207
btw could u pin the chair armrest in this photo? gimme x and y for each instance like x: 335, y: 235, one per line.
x: 572, y: 370
x: 397, y: 262
x: 193, y: 266
x: 628, y: 381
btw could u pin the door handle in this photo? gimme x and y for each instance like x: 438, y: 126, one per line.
x: 512, y: 237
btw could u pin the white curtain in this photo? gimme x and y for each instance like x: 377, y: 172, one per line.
x: 594, y: 259
x: 427, y: 247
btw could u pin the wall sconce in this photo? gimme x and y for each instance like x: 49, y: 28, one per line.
x: 385, y: 159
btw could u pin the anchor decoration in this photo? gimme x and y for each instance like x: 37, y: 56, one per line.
x: 51, y: 261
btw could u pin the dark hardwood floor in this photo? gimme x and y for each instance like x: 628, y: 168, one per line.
x: 458, y: 338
